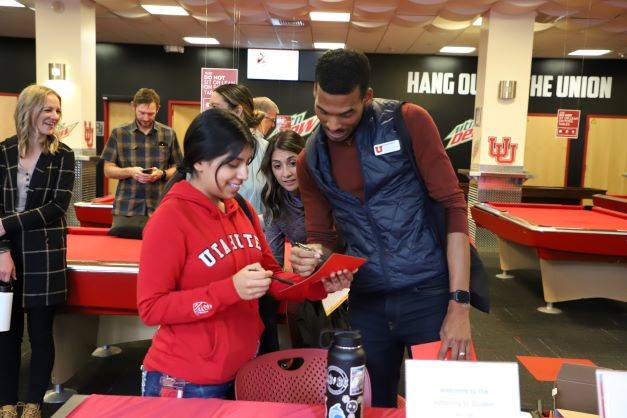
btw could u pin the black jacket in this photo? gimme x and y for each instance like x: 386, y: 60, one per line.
x: 37, y: 236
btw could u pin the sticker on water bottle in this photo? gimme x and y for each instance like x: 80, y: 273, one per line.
x: 336, y: 411
x: 357, y: 380
x: 337, y: 381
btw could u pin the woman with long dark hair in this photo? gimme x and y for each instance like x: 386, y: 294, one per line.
x: 285, y: 219
x: 37, y: 178
x: 237, y: 99
x: 204, y: 264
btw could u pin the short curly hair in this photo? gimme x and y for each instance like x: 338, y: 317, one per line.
x: 339, y: 71
x: 146, y: 96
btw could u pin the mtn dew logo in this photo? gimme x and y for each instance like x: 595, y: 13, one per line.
x: 63, y: 131
x: 301, y: 125
x: 462, y: 133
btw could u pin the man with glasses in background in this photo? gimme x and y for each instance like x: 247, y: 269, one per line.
x: 271, y: 110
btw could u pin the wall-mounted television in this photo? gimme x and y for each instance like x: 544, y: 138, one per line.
x: 272, y: 64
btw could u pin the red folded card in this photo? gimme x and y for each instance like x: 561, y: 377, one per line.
x: 429, y: 351
x: 334, y: 263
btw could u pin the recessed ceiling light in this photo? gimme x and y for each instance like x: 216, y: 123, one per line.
x: 155, y: 9
x: 10, y: 3
x: 478, y: 21
x: 329, y: 45
x: 194, y: 40
x: 329, y: 17
x: 286, y: 22
x: 589, y: 52
x: 457, y: 49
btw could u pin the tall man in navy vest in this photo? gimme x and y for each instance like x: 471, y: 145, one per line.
x: 356, y: 180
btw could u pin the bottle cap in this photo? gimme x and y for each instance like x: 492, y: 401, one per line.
x: 347, y: 338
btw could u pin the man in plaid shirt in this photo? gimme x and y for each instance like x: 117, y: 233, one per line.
x: 142, y: 155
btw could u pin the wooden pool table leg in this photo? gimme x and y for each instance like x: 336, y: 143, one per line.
x: 504, y: 275
x: 106, y: 351
x: 514, y: 256
x: 58, y: 394
x: 549, y: 309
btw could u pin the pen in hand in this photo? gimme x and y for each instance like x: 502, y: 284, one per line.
x: 278, y: 279
x: 304, y: 247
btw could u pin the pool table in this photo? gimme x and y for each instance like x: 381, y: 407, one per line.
x: 95, y: 213
x: 581, y: 253
x: 101, y: 308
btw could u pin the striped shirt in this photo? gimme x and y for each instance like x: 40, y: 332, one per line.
x: 128, y: 146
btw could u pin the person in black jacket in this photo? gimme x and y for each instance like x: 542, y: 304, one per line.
x: 37, y: 178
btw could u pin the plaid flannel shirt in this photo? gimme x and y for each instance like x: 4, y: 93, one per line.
x: 129, y: 147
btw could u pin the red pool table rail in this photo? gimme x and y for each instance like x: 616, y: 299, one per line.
x: 102, y: 272
x: 575, y: 239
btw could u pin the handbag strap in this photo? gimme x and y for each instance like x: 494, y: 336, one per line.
x: 244, y: 205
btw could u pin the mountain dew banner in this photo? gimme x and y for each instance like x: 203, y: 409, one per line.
x: 460, y: 134
x: 297, y: 123
x: 64, y: 130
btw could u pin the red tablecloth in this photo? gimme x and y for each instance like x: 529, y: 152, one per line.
x: 101, y: 406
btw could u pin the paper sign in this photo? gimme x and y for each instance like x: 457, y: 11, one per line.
x: 429, y: 351
x: 568, y: 123
x: 334, y: 300
x: 334, y: 263
x: 210, y: 78
x: 565, y: 413
x: 611, y: 390
x: 462, y: 389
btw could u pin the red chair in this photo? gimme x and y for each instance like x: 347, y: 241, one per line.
x: 268, y: 379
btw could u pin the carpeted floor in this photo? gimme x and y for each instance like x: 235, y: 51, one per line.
x: 594, y: 329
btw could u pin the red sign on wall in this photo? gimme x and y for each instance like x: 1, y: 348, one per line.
x: 210, y: 78
x: 568, y: 123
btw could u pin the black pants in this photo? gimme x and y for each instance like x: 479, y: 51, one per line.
x: 39, y: 321
x: 268, y: 307
x: 391, y: 323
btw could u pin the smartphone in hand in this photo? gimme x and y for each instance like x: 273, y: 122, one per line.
x: 147, y: 171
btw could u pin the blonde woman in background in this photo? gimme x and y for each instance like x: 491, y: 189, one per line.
x: 37, y: 177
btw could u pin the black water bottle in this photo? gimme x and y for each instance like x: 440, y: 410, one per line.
x: 346, y: 372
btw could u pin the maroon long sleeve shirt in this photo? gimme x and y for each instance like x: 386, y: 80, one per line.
x: 433, y: 162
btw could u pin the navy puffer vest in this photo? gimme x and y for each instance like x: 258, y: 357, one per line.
x: 390, y: 229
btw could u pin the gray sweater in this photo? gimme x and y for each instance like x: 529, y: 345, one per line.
x: 290, y: 224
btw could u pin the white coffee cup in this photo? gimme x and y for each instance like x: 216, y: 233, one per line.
x: 6, y: 303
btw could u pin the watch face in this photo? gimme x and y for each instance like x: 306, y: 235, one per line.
x: 461, y: 296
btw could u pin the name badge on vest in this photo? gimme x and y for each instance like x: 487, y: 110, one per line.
x: 387, y: 147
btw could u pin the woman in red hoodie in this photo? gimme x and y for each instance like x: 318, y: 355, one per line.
x: 203, y: 267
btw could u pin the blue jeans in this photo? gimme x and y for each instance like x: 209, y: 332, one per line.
x: 391, y: 323
x: 152, y: 386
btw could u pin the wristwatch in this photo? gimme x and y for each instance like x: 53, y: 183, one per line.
x: 460, y: 296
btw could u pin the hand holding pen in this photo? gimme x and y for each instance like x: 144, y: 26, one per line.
x: 252, y: 282
x: 305, y: 258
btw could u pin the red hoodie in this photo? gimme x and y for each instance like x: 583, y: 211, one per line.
x: 190, y: 252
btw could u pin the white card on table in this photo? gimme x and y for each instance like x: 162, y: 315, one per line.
x: 611, y: 391
x: 461, y: 389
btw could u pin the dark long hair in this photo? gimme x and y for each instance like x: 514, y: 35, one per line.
x: 239, y: 94
x: 213, y: 133
x: 288, y: 141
